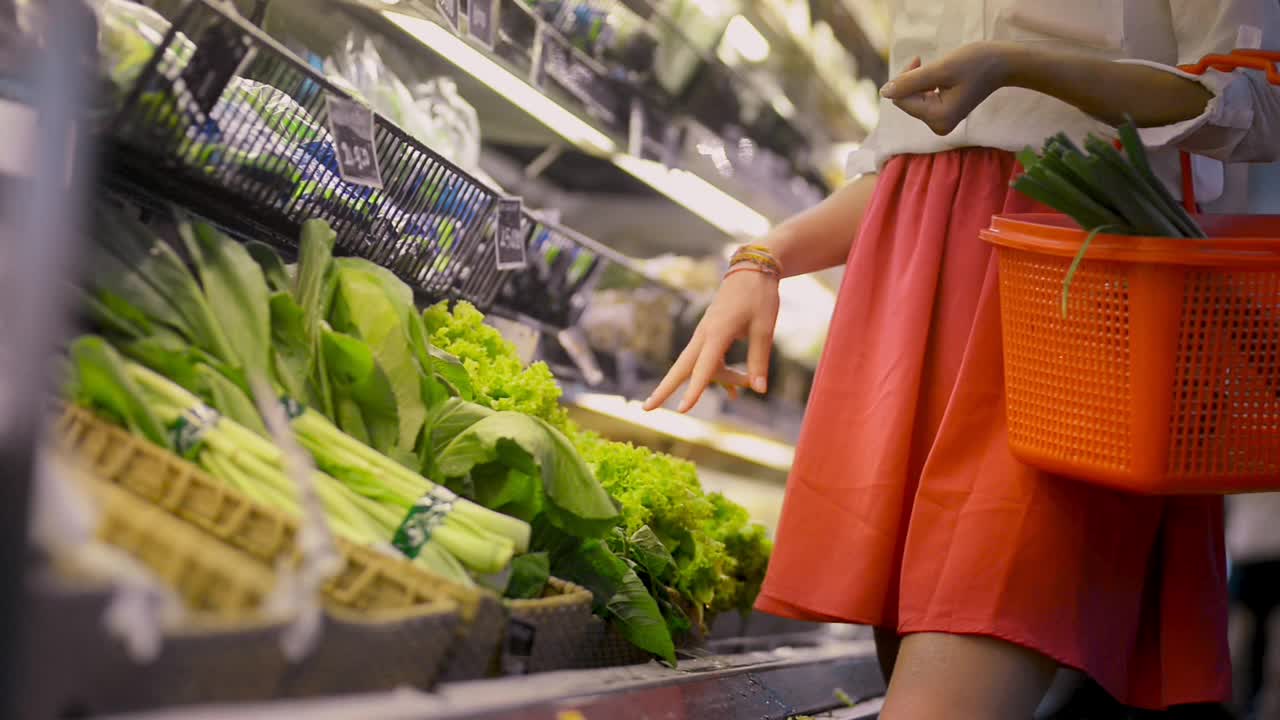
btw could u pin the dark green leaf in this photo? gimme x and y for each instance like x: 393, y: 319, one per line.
x: 291, y: 355
x: 273, y: 269
x: 358, y: 382
x: 574, y: 500
x: 651, y: 554
x: 118, y: 316
x: 529, y: 575
x: 104, y: 384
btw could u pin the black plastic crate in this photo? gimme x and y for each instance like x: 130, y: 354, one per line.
x: 228, y: 122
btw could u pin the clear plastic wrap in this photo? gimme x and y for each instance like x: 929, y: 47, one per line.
x: 434, y: 113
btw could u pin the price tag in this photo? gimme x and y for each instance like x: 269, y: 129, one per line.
x: 352, y: 127
x: 221, y: 53
x: 482, y: 21
x: 635, y: 129
x: 512, y: 254
x: 518, y: 648
x: 575, y: 344
x: 449, y: 8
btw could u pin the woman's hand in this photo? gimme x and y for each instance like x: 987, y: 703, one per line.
x: 943, y: 93
x: 745, y: 308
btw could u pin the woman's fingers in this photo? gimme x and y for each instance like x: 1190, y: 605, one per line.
x: 710, y: 359
x: 931, y: 108
x: 916, y: 80
x: 759, y: 345
x: 676, y: 376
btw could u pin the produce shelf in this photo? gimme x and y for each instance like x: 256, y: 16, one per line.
x: 772, y: 684
x: 593, y: 107
x: 262, y: 144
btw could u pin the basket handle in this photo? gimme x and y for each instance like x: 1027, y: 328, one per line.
x: 1265, y: 61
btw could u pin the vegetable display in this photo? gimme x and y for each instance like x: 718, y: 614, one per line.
x: 696, y: 553
x: 383, y: 397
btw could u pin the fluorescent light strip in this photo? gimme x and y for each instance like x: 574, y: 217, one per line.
x: 701, y: 197
x: 682, y: 187
x: 505, y: 83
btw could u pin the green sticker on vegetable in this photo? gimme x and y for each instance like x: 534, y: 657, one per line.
x: 187, y: 435
x: 423, y: 518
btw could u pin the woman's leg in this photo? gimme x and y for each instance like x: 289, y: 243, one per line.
x: 887, y: 644
x: 966, y: 678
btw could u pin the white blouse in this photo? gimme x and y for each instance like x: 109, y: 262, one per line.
x: 1241, y: 123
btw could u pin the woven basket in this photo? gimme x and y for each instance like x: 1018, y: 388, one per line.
x: 368, y: 580
x: 79, y: 670
x: 549, y: 633
x: 604, y: 647
x: 375, y: 600
x: 208, y: 576
x: 357, y: 653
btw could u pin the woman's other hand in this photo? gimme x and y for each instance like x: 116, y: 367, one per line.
x: 943, y: 93
x: 745, y: 308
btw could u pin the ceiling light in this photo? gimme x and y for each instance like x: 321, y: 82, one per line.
x: 697, y: 195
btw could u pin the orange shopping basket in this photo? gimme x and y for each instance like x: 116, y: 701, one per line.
x: 1164, y: 376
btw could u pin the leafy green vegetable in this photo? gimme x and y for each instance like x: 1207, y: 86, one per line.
x: 361, y: 387
x: 373, y: 305
x: 619, y: 594
x: 236, y: 292
x: 137, y: 267
x: 101, y: 382
x: 500, y: 381
x: 273, y: 269
x: 573, y: 500
x: 311, y: 281
x: 1103, y: 190
x: 290, y: 354
x: 529, y: 575
x: 230, y: 399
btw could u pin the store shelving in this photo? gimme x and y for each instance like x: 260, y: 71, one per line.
x: 258, y: 146
x: 591, y: 108
x: 771, y: 684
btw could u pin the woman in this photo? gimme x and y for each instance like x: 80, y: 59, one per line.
x: 905, y: 510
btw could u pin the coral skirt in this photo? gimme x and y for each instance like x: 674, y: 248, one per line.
x: 905, y: 509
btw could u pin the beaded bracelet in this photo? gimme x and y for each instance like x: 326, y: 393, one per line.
x: 758, y: 256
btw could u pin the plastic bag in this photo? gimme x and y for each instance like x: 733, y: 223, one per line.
x: 128, y: 35
x: 450, y: 125
x: 434, y: 114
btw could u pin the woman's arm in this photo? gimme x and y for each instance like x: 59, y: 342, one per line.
x: 943, y: 93
x: 820, y: 237
x: 746, y: 306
